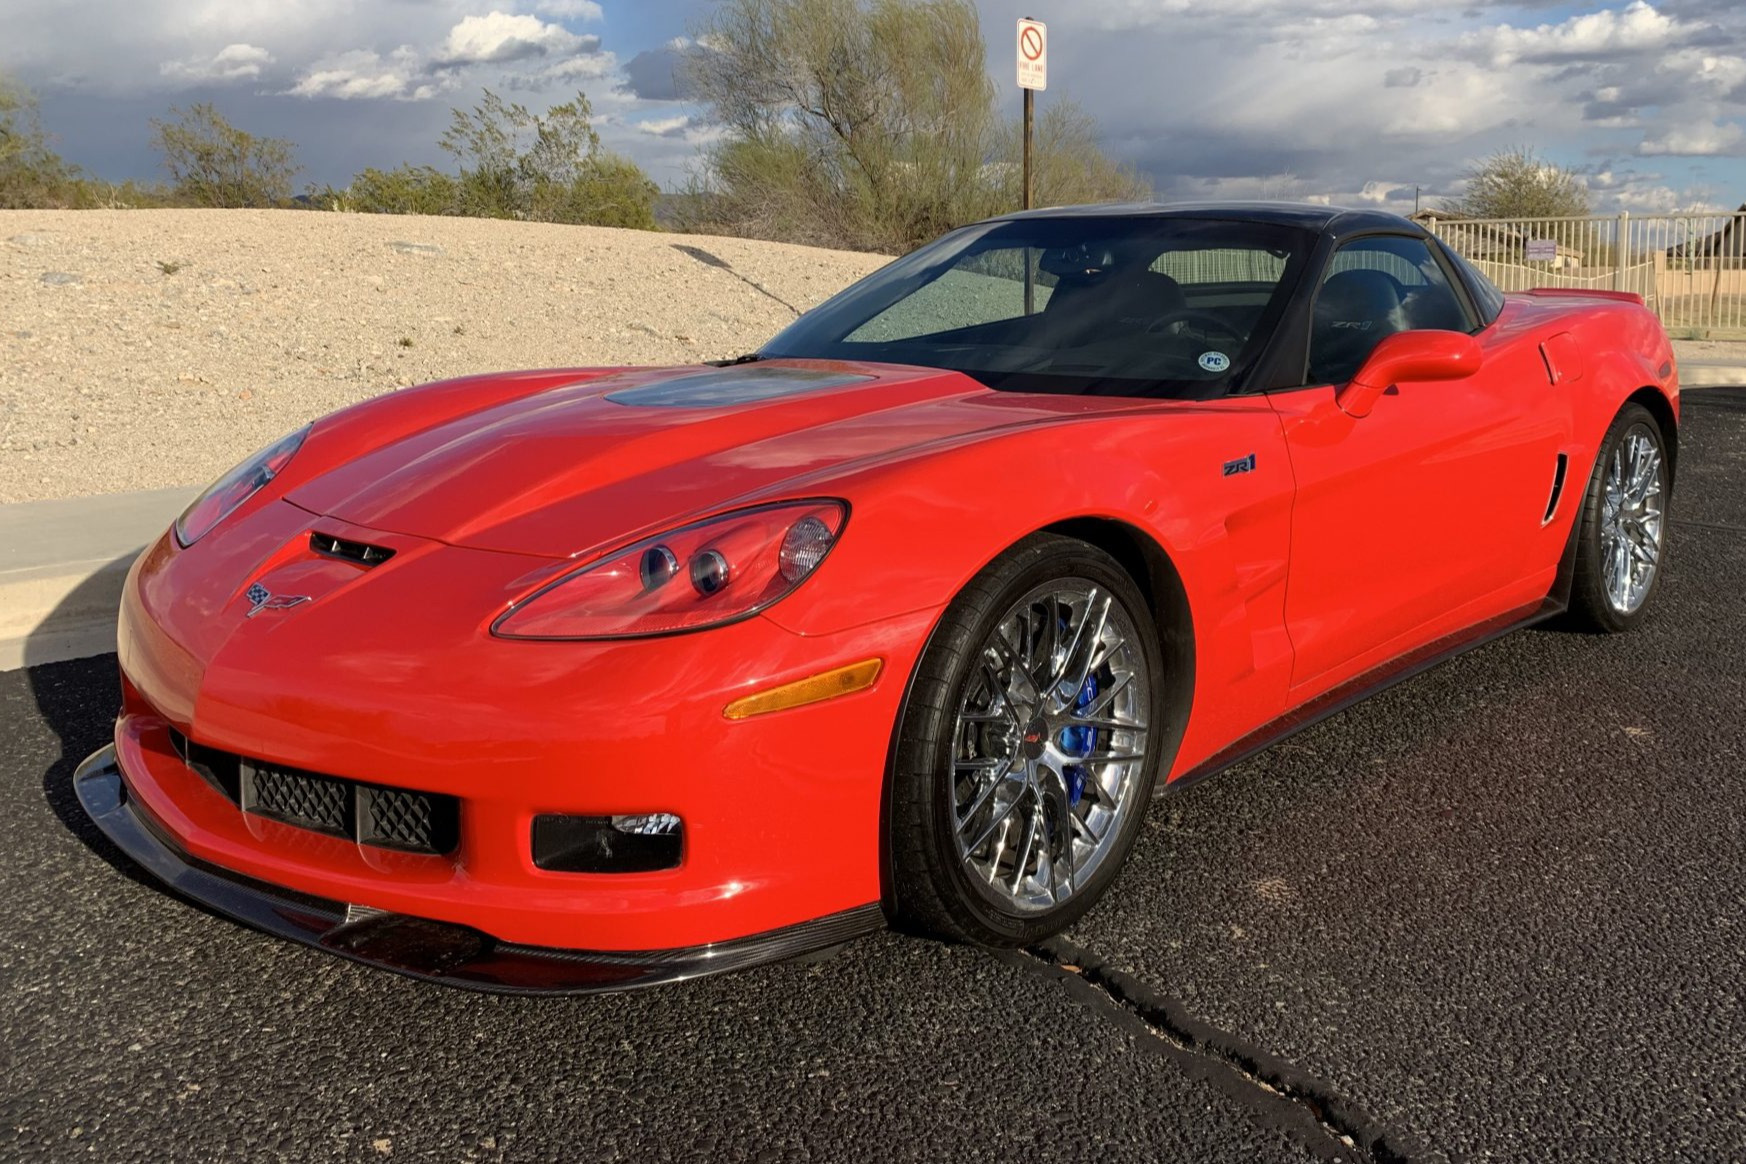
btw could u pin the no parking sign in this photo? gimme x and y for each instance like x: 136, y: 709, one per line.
x: 1033, y: 54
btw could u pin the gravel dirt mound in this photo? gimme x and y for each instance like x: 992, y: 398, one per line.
x: 153, y: 348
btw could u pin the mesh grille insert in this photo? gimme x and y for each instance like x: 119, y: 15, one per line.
x: 299, y: 798
x: 398, y: 819
x: 371, y: 814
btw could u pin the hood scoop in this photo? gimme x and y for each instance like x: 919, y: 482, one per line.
x: 726, y: 387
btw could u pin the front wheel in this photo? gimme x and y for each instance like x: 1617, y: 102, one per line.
x: 1622, y: 539
x: 1029, y: 747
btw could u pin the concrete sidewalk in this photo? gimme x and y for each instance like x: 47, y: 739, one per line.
x: 62, y: 564
x: 1705, y: 374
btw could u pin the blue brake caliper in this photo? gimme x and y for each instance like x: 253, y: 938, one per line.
x: 1079, y: 741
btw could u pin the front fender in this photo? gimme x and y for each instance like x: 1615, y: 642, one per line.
x: 1209, y: 484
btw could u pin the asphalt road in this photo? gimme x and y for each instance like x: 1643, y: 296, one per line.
x: 1494, y: 913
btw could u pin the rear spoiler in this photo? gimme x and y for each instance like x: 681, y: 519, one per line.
x: 1585, y: 293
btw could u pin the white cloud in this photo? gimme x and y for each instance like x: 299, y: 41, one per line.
x: 1592, y: 35
x: 663, y: 126
x: 688, y: 130
x: 498, y: 37
x: 1703, y: 139
x: 1133, y: 14
x: 586, y: 67
x: 233, y: 62
x: 585, y: 10
x: 1354, y: 100
x: 362, y: 74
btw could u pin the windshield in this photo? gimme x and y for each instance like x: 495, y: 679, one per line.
x: 1114, y: 305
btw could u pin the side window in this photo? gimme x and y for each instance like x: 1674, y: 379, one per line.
x: 1373, y: 288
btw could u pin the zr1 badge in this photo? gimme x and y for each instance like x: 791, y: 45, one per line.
x: 1241, y: 465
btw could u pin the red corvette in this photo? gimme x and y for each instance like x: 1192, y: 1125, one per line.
x: 594, y: 678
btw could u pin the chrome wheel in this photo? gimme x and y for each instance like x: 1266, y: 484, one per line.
x: 1048, y: 744
x: 1630, y: 519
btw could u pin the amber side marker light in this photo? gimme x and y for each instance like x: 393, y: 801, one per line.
x: 813, y: 689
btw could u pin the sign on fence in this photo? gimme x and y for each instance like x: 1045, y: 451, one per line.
x: 1541, y: 250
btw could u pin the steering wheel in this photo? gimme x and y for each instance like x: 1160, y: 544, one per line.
x: 1199, y: 322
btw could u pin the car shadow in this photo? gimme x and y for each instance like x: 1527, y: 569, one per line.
x: 78, y: 700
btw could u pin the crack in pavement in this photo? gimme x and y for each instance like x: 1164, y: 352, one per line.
x: 1281, y: 1095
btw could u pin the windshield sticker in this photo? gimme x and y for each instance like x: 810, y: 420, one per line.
x: 726, y: 387
x: 1215, y: 361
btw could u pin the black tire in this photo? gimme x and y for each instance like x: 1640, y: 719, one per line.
x: 1590, y: 607
x: 931, y: 888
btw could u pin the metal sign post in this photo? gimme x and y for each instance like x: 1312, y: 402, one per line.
x: 1033, y: 74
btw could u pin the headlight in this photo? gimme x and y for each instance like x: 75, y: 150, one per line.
x: 236, y: 487
x: 701, y: 575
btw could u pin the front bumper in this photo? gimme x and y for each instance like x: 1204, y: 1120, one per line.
x: 422, y: 948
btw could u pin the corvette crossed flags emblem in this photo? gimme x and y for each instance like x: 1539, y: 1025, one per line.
x: 260, y: 598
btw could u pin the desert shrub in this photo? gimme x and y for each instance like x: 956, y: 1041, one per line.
x: 213, y: 163
x: 404, y: 190
x: 31, y: 174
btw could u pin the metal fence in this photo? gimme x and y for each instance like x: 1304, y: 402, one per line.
x: 1689, y: 268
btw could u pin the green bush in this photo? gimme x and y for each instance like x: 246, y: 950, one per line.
x: 406, y: 190
x: 514, y: 163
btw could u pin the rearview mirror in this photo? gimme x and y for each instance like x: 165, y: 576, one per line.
x: 1409, y: 355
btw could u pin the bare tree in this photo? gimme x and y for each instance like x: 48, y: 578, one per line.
x: 869, y: 124
x: 1518, y: 183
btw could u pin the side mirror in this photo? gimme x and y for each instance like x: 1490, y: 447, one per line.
x: 1409, y: 355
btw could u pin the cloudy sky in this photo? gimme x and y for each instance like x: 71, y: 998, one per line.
x: 1359, y: 101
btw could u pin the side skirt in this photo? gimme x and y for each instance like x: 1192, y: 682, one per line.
x: 1357, y: 689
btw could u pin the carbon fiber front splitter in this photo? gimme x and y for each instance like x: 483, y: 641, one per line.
x: 420, y: 947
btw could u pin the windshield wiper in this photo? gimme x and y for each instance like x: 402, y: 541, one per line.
x: 748, y: 358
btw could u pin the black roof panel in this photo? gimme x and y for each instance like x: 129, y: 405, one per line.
x: 1304, y: 215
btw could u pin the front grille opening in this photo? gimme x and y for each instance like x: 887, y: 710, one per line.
x: 394, y: 818
x: 222, y: 770
x: 318, y: 803
x: 361, y: 552
x: 371, y: 814
x: 602, y: 844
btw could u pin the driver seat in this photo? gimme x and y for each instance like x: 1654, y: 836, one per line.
x: 1113, y: 306
x: 1139, y: 299
x: 1355, y: 311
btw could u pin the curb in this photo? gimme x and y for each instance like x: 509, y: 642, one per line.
x: 1697, y: 374
x: 62, y: 565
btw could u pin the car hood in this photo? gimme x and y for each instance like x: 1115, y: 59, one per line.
x: 564, y: 470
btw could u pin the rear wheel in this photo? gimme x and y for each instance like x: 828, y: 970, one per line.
x: 1621, y: 542
x: 1029, y: 747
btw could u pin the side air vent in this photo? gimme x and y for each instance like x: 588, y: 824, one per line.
x: 1557, y: 488
x: 365, y: 555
